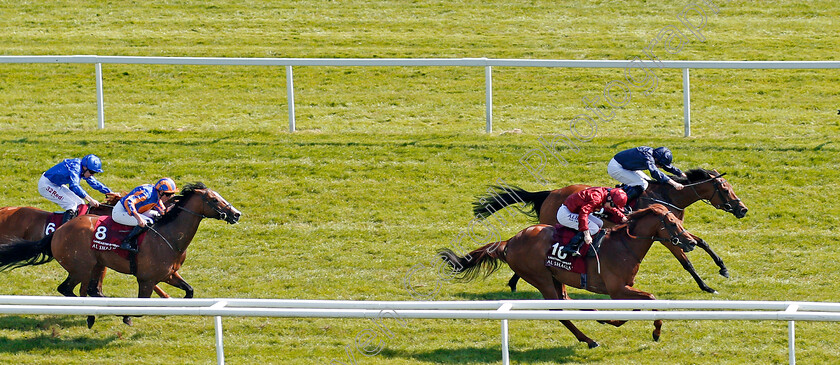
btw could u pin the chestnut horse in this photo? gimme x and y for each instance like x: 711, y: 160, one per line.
x: 700, y: 184
x: 32, y: 224
x: 160, y: 255
x: 622, y: 251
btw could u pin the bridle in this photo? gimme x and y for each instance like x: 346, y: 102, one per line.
x: 219, y: 211
x: 674, y: 238
x: 728, y: 205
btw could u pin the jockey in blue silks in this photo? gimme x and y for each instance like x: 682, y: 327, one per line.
x: 60, y: 184
x: 139, y: 208
x: 627, y: 167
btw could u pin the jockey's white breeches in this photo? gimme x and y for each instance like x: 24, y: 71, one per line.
x: 121, y: 216
x: 569, y: 219
x: 629, y: 177
x: 59, y: 194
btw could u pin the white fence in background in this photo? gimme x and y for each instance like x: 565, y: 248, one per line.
x: 487, y: 63
x: 503, y: 310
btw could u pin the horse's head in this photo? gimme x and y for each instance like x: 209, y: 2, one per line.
x: 660, y: 224
x: 711, y: 186
x: 113, y: 198
x: 212, y: 205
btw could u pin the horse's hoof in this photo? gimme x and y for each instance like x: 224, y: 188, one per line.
x: 593, y: 344
x: 90, y: 321
x: 709, y: 290
x: 724, y: 273
x: 656, y: 337
x: 513, y: 288
x: 127, y: 321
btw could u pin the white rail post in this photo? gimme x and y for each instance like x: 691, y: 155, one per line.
x: 100, y: 102
x: 488, y: 92
x: 220, y: 347
x: 505, y: 337
x: 686, y: 103
x: 290, y: 97
x: 792, y: 335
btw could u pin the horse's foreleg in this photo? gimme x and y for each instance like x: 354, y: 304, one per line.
x: 177, y: 281
x: 718, y: 261
x: 686, y: 264
x: 160, y: 292
x: 629, y: 292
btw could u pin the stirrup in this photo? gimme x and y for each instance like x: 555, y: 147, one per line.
x: 126, y: 245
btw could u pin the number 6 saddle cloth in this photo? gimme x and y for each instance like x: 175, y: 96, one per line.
x: 55, y: 218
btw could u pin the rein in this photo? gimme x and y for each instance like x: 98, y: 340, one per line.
x: 662, y: 202
x: 674, y: 239
x: 164, y: 238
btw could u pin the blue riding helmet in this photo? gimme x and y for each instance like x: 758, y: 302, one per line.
x: 92, y: 163
x: 166, y: 185
x: 663, y: 156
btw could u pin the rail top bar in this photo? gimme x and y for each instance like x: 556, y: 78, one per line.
x: 93, y: 59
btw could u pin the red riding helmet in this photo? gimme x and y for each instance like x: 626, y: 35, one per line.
x: 165, y: 186
x: 619, y: 198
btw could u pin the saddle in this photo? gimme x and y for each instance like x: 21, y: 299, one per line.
x: 108, y: 234
x: 54, y: 219
x: 576, y: 264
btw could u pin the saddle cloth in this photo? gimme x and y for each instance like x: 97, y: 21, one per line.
x: 54, y: 219
x: 107, y: 236
x: 555, y: 258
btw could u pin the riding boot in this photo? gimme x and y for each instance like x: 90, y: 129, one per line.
x: 574, y: 245
x: 68, y: 215
x: 130, y: 241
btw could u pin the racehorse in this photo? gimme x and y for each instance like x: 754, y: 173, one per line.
x: 622, y: 251
x: 32, y: 224
x: 160, y: 255
x: 700, y: 184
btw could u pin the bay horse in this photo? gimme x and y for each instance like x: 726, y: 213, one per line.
x: 160, y: 255
x: 700, y: 184
x: 621, y: 253
x: 32, y: 224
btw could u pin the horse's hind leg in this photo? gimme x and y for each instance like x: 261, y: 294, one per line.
x: 552, y: 289
x: 67, y: 286
x: 512, y: 282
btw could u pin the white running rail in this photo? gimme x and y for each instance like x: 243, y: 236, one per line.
x: 502, y: 310
x: 487, y: 63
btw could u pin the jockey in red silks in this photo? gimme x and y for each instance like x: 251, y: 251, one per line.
x: 576, y: 213
x: 60, y: 184
x: 139, y: 208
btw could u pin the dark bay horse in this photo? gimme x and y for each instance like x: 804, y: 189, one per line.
x: 161, y: 254
x: 32, y: 224
x: 621, y: 254
x: 700, y: 184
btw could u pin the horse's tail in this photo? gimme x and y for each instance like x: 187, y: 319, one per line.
x: 499, y: 197
x: 482, y: 261
x: 21, y: 253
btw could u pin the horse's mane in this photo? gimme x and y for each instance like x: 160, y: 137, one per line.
x: 693, y: 176
x: 180, y: 200
x: 639, y: 214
